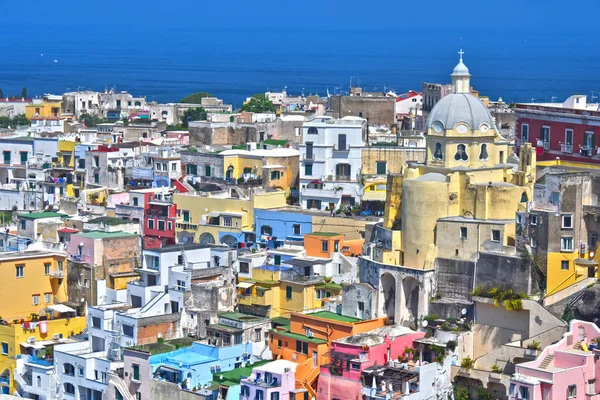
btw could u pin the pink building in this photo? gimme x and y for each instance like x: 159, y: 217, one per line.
x: 350, y: 356
x: 274, y: 380
x: 568, y: 369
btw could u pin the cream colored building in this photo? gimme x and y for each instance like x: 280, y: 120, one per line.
x: 465, y: 184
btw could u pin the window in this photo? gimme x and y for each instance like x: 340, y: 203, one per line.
x: 324, y: 245
x: 296, y: 229
x: 279, y: 343
x: 118, y: 395
x: 533, y: 220
x: 23, y: 224
x: 4, y: 348
x: 245, y: 390
x: 591, y: 386
x: 523, y: 392
x: 571, y: 391
x: 186, y: 216
x: 69, y: 388
x: 173, y: 167
x: 227, y: 221
x: 68, y: 369
x: 463, y: 232
x: 525, y: 133
x: 60, y: 265
x: 301, y: 347
x: 438, y: 154
x: 138, y: 396
x: 170, y: 226
x: 320, y: 294
x: 341, y: 145
x: 313, y: 131
x: 96, y: 322
x: 308, y: 332
x: 308, y: 169
x: 20, y: 271
x: 566, y: 243
x: 136, y: 372
x: 381, y: 167
x: 533, y: 243
x: 150, y: 224
x: 545, y: 134
x: 96, y: 178
x: 6, y: 155
x: 38, y: 379
x: 461, y: 153
x: 127, y: 330
x: 361, y: 310
x: 244, y: 268
x: 260, y: 395
x: 567, y: 221
x: 247, y: 170
x: 47, y: 298
x: 288, y: 292
x: 161, y: 225
x: 135, y: 201
x: 274, y: 395
x: 277, y: 259
x: 80, y: 371
x: 355, y: 366
x: 257, y: 335
x: 555, y: 198
x: 495, y: 235
x: 564, y: 265
x: 35, y: 299
x: 266, y: 230
x: 483, y: 154
x: 275, y: 175
x: 46, y: 268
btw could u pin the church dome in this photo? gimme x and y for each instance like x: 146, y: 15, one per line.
x: 460, y: 69
x: 456, y: 108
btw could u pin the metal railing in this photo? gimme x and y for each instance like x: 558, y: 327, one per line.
x: 566, y: 148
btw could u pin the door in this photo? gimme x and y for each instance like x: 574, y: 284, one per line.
x: 314, y: 359
x: 569, y: 137
x: 309, y: 151
x: 341, y: 142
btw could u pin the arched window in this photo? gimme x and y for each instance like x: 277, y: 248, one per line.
x: 438, y: 154
x: 69, y: 388
x: 483, y: 154
x: 461, y: 153
x: 38, y: 380
x: 313, y: 131
x: 69, y: 369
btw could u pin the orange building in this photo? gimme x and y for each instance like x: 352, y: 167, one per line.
x: 307, y: 340
x: 324, y: 244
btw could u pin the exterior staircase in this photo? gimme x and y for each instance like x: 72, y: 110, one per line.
x: 577, y: 346
x: 544, y: 364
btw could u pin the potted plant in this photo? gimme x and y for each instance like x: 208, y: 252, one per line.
x: 467, y: 363
x: 496, y: 372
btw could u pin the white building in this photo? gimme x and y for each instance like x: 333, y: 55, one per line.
x: 330, y: 162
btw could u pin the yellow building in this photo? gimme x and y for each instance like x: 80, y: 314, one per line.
x: 33, y: 280
x: 277, y: 168
x: 273, y: 292
x: 49, y: 107
x: 219, y: 217
x: 66, y: 159
x: 464, y: 184
x: 23, y: 338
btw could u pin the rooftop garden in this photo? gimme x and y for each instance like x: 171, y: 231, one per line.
x: 233, y: 377
x: 164, y: 346
x: 509, y: 298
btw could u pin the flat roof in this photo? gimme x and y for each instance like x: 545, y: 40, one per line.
x: 240, y: 317
x: 287, y: 333
x: 105, y: 235
x: 233, y: 377
x: 328, y: 234
x: 108, y: 221
x: 334, y: 317
x: 177, y: 248
x: 165, y: 347
x: 39, y: 215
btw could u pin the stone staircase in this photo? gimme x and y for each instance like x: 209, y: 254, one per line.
x: 544, y: 364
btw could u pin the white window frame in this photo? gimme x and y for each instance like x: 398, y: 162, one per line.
x: 562, y: 221
x: 47, y: 298
x: 466, y: 232
x: 533, y: 217
x: 20, y: 268
x: 533, y: 242
x: 35, y: 299
x: 563, y: 241
x: 568, y: 265
x: 499, y: 235
x: 227, y: 221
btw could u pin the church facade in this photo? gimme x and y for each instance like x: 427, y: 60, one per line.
x: 461, y: 202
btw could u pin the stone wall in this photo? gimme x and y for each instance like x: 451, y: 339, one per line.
x: 499, y: 270
x: 224, y: 133
x: 149, y: 328
x: 454, y: 278
x: 377, y: 110
x: 359, y: 292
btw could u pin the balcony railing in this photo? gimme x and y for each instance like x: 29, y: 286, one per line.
x: 293, y: 277
x: 566, y: 148
x: 187, y: 226
x: 76, y: 257
x: 58, y: 274
x: 586, y: 151
x: 544, y: 144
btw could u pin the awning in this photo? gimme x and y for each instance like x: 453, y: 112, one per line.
x: 68, y: 230
x: 36, y: 346
x: 245, y: 285
x: 61, y: 308
x: 373, y: 195
x: 273, y: 166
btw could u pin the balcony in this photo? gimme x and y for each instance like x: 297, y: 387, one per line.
x: 43, y: 362
x: 291, y: 276
x: 544, y: 144
x: 57, y: 274
x: 308, y: 157
x: 586, y: 151
x: 566, y: 148
x: 76, y: 257
x: 186, y: 226
x: 321, y: 193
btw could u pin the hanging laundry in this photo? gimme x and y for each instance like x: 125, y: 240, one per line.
x: 43, y: 327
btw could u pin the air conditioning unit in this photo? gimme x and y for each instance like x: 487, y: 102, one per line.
x: 31, y: 339
x: 56, y: 336
x: 310, y: 334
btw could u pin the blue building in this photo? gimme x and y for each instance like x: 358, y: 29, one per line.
x: 277, y: 225
x: 194, y: 366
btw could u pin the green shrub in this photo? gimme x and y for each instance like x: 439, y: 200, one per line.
x: 467, y: 363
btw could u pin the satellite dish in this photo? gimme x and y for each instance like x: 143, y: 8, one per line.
x: 424, y: 323
x: 592, y: 254
x: 463, y: 311
x: 159, y: 335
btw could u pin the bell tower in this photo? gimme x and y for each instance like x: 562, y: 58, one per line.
x: 461, y: 78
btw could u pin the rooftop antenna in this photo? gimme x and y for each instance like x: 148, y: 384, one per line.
x: 593, y: 96
x: 532, y: 100
x: 352, y: 77
x: 552, y: 99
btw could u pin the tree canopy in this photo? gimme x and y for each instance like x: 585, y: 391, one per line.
x: 91, y: 120
x: 18, y: 120
x: 193, y: 114
x: 258, y: 103
x: 195, y: 98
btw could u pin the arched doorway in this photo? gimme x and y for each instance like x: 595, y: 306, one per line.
x: 410, y: 311
x: 229, y: 241
x: 388, y: 295
x: 206, y: 238
x: 229, y: 172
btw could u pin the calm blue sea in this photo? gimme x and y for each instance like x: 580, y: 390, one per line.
x: 167, y: 64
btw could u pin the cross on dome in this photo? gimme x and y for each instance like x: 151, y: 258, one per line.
x: 461, y: 52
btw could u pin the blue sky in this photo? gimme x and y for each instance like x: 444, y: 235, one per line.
x: 538, y: 16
